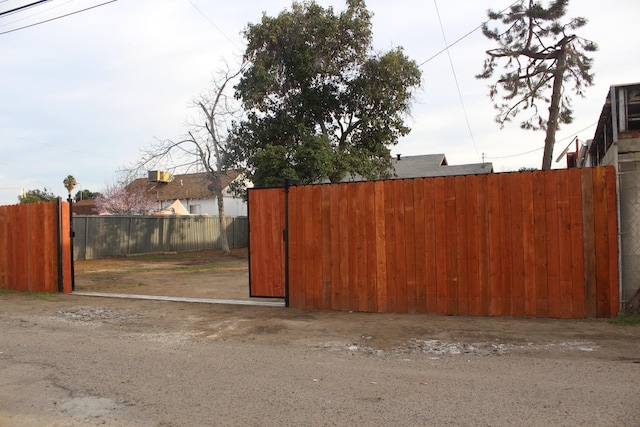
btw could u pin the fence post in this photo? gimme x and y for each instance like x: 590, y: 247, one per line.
x: 60, y: 256
x: 285, y: 235
x: 72, y: 235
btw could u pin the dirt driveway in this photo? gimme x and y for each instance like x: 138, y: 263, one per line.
x: 70, y: 360
x: 202, y: 274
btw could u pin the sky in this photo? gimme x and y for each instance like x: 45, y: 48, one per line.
x: 83, y: 94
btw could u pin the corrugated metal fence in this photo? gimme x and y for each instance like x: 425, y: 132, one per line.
x: 35, y: 247
x: 539, y: 244
x: 105, y: 236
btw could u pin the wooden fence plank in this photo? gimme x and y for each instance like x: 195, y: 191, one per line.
x: 484, y: 281
x: 441, y: 253
x: 540, y: 243
x: 326, y: 216
x: 361, y: 246
x: 462, y: 246
x: 39, y: 251
x: 528, y: 241
x: 602, y: 242
x: 565, y: 246
x: 370, y: 225
x: 588, y: 220
x: 390, y: 247
x: 410, y: 245
x: 296, y: 247
x: 517, y: 245
x: 506, y: 244
x: 553, y: 254
x: 420, y: 247
x: 400, y: 244
x: 495, y: 246
x: 345, y: 242
x: 336, y: 246
x: 430, y: 257
x: 578, y: 305
x: 473, y: 245
x: 380, y: 238
x: 451, y: 244
x: 316, y: 248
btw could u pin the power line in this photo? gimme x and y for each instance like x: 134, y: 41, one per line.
x: 455, y: 78
x: 212, y: 23
x: 26, y: 6
x: 573, y: 135
x: 446, y: 48
x: 58, y: 17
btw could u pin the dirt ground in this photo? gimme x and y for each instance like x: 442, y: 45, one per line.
x: 202, y: 274
x: 71, y: 360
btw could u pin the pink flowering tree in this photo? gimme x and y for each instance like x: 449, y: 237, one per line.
x: 121, y: 199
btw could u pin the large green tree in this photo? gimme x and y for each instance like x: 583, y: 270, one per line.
x: 543, y: 62
x: 85, y: 195
x: 320, y: 103
x: 37, y: 196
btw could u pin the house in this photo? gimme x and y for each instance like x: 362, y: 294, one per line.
x: 426, y: 166
x: 432, y: 165
x: 193, y: 192
x: 85, y: 207
x: 617, y: 142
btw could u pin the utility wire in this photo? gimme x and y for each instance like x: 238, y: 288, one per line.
x: 58, y: 17
x: 214, y: 25
x: 446, y: 48
x: 26, y: 6
x: 573, y: 135
x: 35, y: 14
x: 455, y: 78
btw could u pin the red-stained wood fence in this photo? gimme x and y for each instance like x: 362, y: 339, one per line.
x: 35, y: 247
x: 535, y: 244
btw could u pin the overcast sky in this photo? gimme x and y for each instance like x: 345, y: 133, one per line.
x: 83, y: 94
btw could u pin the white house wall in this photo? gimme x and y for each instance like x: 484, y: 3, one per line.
x: 232, y: 206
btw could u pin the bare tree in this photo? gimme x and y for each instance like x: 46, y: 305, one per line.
x: 541, y: 56
x: 205, y: 146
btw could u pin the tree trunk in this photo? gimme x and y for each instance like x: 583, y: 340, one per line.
x: 554, y: 109
x: 224, y: 242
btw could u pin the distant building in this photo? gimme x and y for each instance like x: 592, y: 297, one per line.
x: 193, y: 192
x: 428, y: 165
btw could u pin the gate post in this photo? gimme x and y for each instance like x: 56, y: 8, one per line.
x: 285, y: 236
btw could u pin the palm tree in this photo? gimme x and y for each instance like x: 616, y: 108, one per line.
x: 69, y: 183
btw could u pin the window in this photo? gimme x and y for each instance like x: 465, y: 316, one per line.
x: 195, y: 209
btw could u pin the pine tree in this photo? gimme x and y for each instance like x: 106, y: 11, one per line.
x: 542, y: 57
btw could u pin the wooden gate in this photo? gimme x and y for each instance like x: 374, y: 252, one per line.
x: 266, y: 210
x: 35, y: 247
x: 537, y: 244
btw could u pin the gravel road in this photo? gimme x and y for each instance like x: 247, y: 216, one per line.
x: 87, y: 361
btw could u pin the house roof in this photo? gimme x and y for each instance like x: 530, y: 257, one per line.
x: 85, y: 207
x: 430, y: 165
x: 186, y: 186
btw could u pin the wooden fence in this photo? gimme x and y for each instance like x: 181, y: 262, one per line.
x: 536, y: 244
x: 105, y: 236
x: 35, y: 247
